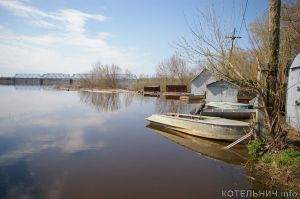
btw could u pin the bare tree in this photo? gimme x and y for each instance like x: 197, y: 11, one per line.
x: 240, y: 66
x: 113, y: 72
x: 178, y: 68
x: 104, y: 76
x: 162, y: 69
x: 173, y: 70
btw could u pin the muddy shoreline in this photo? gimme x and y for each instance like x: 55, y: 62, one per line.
x: 96, y: 90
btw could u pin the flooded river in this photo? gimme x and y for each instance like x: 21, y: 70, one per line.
x: 59, y: 144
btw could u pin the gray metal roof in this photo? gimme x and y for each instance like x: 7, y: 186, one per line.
x: 203, y: 70
x: 222, y: 81
x: 56, y: 76
x: 296, y: 62
x: 27, y: 76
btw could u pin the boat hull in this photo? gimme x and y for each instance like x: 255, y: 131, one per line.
x: 213, y: 128
x: 240, y: 114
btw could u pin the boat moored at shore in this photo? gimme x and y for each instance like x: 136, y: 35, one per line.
x: 202, y: 126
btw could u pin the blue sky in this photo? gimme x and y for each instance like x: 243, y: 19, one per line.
x: 38, y: 36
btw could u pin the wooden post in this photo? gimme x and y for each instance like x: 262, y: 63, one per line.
x: 274, y: 39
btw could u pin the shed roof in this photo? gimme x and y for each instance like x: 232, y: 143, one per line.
x: 203, y: 70
x: 296, y: 62
x: 223, y: 81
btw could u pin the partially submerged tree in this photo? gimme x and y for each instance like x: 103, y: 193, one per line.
x: 104, y: 76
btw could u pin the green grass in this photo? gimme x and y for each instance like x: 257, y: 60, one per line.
x: 267, y: 158
x: 288, y: 157
x: 255, y: 148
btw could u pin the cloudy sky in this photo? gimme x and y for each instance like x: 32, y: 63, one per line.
x: 38, y: 36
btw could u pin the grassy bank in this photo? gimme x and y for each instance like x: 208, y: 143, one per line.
x: 278, y: 169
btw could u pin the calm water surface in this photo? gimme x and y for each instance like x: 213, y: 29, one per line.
x: 57, y: 144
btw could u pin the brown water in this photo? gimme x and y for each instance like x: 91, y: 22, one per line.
x: 58, y: 144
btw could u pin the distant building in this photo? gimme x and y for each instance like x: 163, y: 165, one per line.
x: 152, y: 89
x: 200, y: 82
x: 176, y: 88
x: 222, y: 91
x: 293, y: 95
x: 55, y: 79
x: 27, y: 79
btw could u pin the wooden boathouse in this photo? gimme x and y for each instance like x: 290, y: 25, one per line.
x: 151, y: 89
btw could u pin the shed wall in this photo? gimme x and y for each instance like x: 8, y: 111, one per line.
x: 221, y: 93
x: 176, y: 88
x: 293, y: 95
x: 152, y: 89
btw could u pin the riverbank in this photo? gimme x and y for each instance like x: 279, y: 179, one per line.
x: 95, y: 90
x: 279, y: 169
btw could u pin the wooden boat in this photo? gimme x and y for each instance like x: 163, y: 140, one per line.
x: 202, y: 126
x: 239, y: 114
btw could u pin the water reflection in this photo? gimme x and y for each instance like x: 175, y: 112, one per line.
x: 111, y: 102
x: 68, y: 135
x: 32, y: 122
x: 53, y: 146
x: 173, y: 106
x: 209, y: 148
x: 28, y: 87
x: 172, y: 97
x: 108, y: 102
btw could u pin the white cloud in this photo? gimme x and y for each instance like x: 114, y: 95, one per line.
x: 20, y: 9
x: 75, y: 20
x: 42, y: 24
x: 67, y: 49
x: 76, y: 54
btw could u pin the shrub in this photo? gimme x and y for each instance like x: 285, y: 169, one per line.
x: 255, y: 148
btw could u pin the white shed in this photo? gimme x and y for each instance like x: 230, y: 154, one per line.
x: 293, y: 95
x: 200, y: 82
x: 221, y: 91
